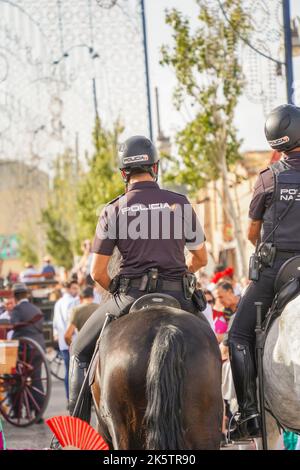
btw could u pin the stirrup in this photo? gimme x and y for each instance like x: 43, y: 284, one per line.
x: 240, y: 430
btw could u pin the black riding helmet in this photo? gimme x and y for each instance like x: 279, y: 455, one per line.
x: 138, y: 155
x: 282, y: 128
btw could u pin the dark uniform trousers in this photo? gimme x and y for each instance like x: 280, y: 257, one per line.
x: 242, y: 337
x: 119, y: 305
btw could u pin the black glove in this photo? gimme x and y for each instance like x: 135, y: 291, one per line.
x: 114, y: 284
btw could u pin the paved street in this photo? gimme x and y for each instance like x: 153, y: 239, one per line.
x: 37, y: 436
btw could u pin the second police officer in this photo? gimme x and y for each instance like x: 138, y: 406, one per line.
x: 274, y: 228
x: 151, y: 228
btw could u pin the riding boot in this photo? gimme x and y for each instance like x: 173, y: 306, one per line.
x: 76, y: 377
x: 244, y: 378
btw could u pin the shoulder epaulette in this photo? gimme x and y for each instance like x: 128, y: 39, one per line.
x: 276, y: 166
x: 264, y: 170
x: 115, y: 199
x: 174, y: 192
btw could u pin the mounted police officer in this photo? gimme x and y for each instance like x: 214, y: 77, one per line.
x: 150, y: 227
x: 274, y: 228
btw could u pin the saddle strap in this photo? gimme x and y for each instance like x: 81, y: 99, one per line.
x: 283, y: 254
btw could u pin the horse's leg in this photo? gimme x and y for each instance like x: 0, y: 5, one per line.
x: 122, y: 421
x: 101, y: 425
x: 119, y: 434
x: 273, y: 433
x: 203, y: 411
x: 125, y: 422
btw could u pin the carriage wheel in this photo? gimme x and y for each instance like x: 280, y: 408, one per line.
x: 57, y: 364
x: 26, y: 392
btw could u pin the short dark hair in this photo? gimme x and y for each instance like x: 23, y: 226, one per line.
x: 68, y: 284
x: 219, y: 267
x: 140, y: 171
x: 225, y: 286
x: 87, y: 292
x: 208, y: 292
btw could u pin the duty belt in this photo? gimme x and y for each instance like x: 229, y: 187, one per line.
x: 163, y: 284
x: 282, y: 254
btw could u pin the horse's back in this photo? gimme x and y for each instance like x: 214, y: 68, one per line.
x: 133, y: 345
x: 134, y: 335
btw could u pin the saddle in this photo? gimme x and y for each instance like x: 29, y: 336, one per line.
x: 154, y: 300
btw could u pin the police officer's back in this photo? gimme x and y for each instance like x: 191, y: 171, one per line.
x: 151, y: 228
x: 26, y: 312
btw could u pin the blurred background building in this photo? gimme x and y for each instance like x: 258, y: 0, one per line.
x: 23, y: 194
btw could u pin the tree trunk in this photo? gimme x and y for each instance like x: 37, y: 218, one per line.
x: 231, y: 210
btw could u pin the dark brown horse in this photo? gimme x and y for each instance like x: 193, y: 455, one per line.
x: 158, y: 382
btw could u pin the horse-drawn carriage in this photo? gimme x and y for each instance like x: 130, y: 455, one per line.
x: 25, y: 368
x: 25, y: 379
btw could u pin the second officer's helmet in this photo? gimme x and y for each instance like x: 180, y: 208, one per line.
x: 138, y: 155
x: 282, y: 128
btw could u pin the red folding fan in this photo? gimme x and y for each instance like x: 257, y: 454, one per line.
x: 72, y: 431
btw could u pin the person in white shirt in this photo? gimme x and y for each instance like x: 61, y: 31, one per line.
x: 61, y: 318
x: 9, y: 304
x: 27, y: 274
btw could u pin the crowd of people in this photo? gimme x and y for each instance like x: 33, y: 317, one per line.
x: 77, y: 298
x: 74, y: 293
x: 223, y: 292
x: 71, y: 311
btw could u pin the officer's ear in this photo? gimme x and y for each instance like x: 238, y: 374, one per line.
x: 124, y: 176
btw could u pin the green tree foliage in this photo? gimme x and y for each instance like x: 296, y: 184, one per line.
x: 102, y: 182
x: 60, y: 217
x: 209, y: 75
x: 27, y: 248
x: 206, y: 63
